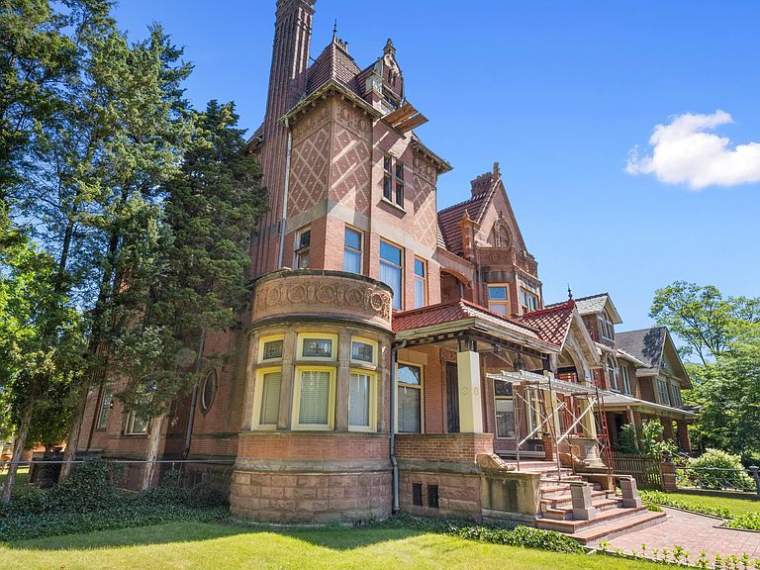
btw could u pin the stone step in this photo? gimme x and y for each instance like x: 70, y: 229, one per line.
x: 565, y: 513
x: 614, y: 528
x: 602, y: 518
x: 561, y: 500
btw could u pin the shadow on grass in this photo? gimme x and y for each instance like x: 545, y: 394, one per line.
x: 333, y: 538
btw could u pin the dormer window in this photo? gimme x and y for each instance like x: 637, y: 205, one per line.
x: 606, y: 328
x: 393, y: 180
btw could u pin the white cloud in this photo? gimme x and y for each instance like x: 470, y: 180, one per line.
x: 685, y: 151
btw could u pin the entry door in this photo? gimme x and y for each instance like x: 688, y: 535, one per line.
x: 452, y: 397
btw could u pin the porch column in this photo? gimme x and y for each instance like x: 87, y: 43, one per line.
x: 635, y: 424
x: 468, y: 382
x: 589, y: 425
x: 682, y: 431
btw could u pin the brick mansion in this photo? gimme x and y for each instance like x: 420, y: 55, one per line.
x: 394, y: 356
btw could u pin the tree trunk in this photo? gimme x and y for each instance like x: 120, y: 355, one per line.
x: 154, y: 443
x: 23, y: 432
x: 69, y: 454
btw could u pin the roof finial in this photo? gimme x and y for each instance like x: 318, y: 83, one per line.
x: 496, y: 170
x: 335, y: 29
x: 569, y: 293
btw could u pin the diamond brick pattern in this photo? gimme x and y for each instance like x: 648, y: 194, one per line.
x: 308, y: 177
x: 350, y: 171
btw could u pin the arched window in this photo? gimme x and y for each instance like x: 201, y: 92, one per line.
x: 500, y: 236
x: 208, y: 390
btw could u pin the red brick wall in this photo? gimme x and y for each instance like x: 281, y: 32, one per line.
x: 455, y: 447
x: 313, y: 446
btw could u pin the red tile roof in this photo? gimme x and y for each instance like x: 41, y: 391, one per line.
x: 552, y: 322
x: 448, y: 313
x: 333, y: 63
x: 449, y: 218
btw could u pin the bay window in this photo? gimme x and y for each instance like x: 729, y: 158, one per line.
x: 363, y: 350
x: 391, y: 270
x: 409, y: 400
x: 361, y: 401
x: 317, y: 346
x: 314, y: 398
x: 267, y: 397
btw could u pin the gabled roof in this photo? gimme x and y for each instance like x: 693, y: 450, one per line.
x: 596, y: 304
x: 459, y: 310
x: 552, y: 322
x: 333, y: 63
x: 646, y: 344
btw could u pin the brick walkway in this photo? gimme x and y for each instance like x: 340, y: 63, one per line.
x: 694, y: 533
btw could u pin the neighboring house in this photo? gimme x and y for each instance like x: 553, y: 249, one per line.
x: 392, y: 355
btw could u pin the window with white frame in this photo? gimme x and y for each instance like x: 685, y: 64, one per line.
x: 528, y: 300
x: 137, y: 424
x: 505, y: 410
x: 317, y: 346
x: 361, y: 401
x: 420, y: 283
x: 625, y: 375
x: 106, y: 403
x: 612, y: 374
x: 388, y: 177
x: 393, y: 180
x: 409, y: 381
x: 267, y: 397
x: 302, y: 247
x: 498, y: 299
x: 352, y: 250
x: 314, y: 398
x: 400, y: 184
x: 391, y: 270
x: 364, y: 351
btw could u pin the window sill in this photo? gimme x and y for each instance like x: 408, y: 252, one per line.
x: 393, y: 205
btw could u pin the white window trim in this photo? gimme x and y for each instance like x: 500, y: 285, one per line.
x: 319, y: 336
x: 364, y: 340
x: 400, y: 267
x: 496, y: 398
x: 258, y: 394
x: 421, y: 388
x: 372, y: 427
x: 297, y: 243
x: 295, y: 424
x: 423, y: 279
x: 524, y: 292
x: 500, y: 302
x: 269, y: 338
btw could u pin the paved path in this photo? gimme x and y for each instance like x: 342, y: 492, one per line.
x: 694, y: 533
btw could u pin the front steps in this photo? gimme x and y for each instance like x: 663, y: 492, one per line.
x: 611, y: 518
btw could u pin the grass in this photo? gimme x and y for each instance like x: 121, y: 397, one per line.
x: 22, y: 476
x: 220, y: 545
x: 704, y: 503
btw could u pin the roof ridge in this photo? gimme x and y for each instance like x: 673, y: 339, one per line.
x: 643, y: 329
x: 425, y: 308
x: 507, y: 319
x: 569, y: 304
x: 463, y: 202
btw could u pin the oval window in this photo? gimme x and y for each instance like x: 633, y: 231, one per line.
x: 208, y: 391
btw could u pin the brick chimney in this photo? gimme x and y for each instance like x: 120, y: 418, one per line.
x: 287, y: 77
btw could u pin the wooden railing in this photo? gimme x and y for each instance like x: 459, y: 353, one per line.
x: 646, y: 470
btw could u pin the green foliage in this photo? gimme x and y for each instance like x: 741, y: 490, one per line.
x: 716, y: 469
x: 628, y: 439
x: 747, y: 521
x: 524, y: 536
x: 748, y: 517
x: 652, y: 440
x: 660, y: 499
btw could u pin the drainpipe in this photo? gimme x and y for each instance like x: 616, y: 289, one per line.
x: 284, y: 220
x: 392, y: 428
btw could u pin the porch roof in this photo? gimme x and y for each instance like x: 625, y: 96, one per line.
x: 615, y: 401
x: 461, y: 316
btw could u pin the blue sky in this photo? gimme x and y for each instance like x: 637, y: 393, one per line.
x: 559, y: 93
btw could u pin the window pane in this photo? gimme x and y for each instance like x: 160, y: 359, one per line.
x: 498, y: 308
x: 419, y: 267
x: 505, y: 418
x: 390, y: 253
x: 304, y: 239
x: 408, y: 409
x: 315, y: 391
x: 409, y: 374
x: 359, y: 400
x: 317, y: 347
x: 209, y: 390
x: 502, y: 388
x: 399, y: 171
x: 352, y: 261
x: 270, y: 398
x: 272, y: 349
x: 139, y: 423
x: 497, y: 293
x: 387, y: 163
x: 419, y: 293
x: 391, y: 276
x: 105, y: 407
x: 387, y: 187
x: 353, y: 239
x: 362, y: 351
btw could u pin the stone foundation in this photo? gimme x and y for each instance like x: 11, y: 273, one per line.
x: 311, y: 497
x: 458, y: 494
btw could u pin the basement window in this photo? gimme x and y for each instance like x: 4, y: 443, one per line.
x: 432, y: 492
x: 417, y: 494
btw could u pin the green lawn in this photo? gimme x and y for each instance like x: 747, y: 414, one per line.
x: 707, y: 503
x: 205, y: 545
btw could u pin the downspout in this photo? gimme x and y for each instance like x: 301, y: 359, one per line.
x: 392, y: 428
x: 194, y: 398
x: 284, y: 221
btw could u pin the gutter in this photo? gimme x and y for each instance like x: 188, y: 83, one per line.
x: 392, y: 430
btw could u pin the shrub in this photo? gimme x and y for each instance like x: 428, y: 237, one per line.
x: 524, y: 536
x: 628, y: 439
x: 653, y: 443
x: 750, y: 521
x: 654, y: 499
x: 701, y: 472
